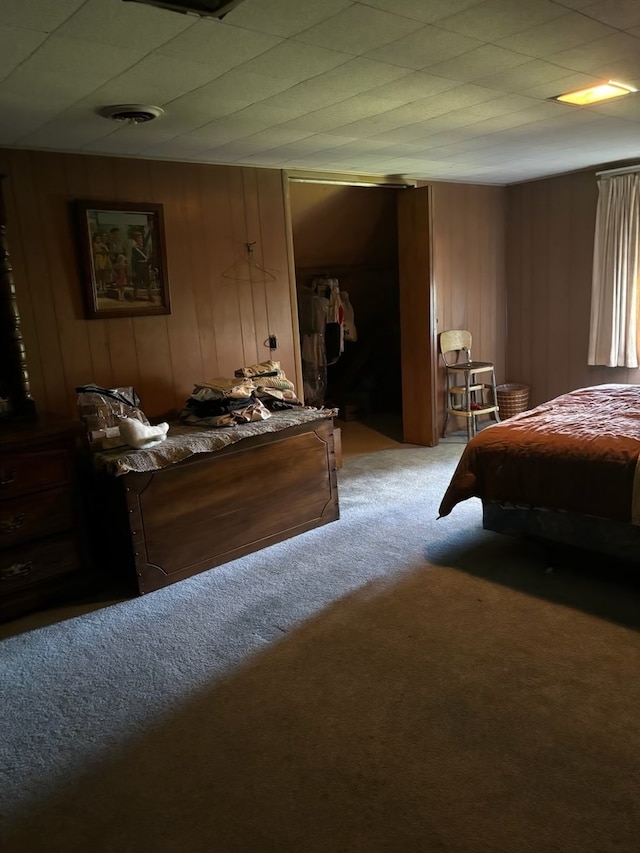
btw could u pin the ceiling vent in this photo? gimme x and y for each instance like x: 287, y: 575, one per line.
x: 204, y: 8
x: 131, y: 113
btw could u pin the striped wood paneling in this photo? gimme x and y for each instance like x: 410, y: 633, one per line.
x: 549, y: 263
x: 468, y: 234
x: 217, y: 324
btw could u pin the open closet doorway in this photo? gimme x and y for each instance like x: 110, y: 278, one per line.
x: 345, y: 248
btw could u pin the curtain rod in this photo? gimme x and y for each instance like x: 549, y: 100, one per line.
x: 621, y: 171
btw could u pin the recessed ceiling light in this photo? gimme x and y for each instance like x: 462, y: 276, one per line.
x: 594, y: 94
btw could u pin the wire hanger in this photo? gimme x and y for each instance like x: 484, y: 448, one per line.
x: 248, y: 269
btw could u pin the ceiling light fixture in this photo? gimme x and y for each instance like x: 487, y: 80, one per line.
x: 131, y: 113
x: 595, y: 94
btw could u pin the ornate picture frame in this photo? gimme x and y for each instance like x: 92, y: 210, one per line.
x: 121, y: 247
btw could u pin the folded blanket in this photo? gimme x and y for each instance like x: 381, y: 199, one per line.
x: 223, y: 387
x: 264, y: 368
x: 255, y: 411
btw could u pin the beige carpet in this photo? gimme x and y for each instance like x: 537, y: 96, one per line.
x: 389, y: 683
x: 440, y: 712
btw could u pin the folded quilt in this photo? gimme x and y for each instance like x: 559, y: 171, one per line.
x: 251, y: 394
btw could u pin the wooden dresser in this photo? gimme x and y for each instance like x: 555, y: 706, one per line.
x: 40, y: 544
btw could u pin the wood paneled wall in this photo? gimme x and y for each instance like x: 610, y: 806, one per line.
x: 549, y: 264
x: 217, y: 324
x: 468, y: 228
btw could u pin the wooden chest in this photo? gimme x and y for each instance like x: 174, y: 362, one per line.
x: 39, y: 522
x: 215, y: 507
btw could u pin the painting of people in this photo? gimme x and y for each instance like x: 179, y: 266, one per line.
x: 122, y: 257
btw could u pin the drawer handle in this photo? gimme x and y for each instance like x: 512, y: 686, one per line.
x: 17, y: 570
x: 12, y: 524
x: 8, y: 478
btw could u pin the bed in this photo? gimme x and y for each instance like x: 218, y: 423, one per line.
x: 566, y: 470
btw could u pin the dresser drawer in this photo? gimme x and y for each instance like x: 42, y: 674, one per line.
x: 32, y: 564
x: 28, y: 472
x: 35, y: 516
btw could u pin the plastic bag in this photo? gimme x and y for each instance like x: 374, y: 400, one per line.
x: 101, y: 409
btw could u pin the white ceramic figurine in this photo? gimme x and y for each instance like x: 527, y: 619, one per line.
x: 139, y: 435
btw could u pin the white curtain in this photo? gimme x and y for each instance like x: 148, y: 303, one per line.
x: 614, y: 293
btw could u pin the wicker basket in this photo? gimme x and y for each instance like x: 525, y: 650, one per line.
x: 512, y: 399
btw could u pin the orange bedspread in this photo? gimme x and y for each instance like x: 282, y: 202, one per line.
x: 578, y: 452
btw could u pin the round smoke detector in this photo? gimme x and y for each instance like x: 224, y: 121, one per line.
x: 132, y: 113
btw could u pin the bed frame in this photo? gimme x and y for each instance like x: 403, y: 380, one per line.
x: 607, y: 536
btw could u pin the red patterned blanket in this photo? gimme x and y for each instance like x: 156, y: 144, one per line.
x: 578, y: 452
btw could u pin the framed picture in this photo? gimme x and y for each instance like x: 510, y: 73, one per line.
x: 122, y: 255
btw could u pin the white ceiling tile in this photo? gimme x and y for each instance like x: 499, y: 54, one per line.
x: 125, y: 140
x: 591, y: 57
x: 357, y: 163
x: 525, y: 76
x: 359, y: 29
x: 571, y: 30
x: 344, y: 112
x: 626, y: 69
x: 621, y: 14
x: 62, y: 70
x: 276, y: 136
x: 178, y: 148
x: 479, y: 63
x: 183, y: 115
x: 241, y: 86
x: 466, y: 95
x: 227, y: 130
x: 217, y: 99
x: 294, y: 62
x: 424, y: 47
x: 258, y: 87
x: 236, y: 150
x: 421, y: 11
x: 411, y: 133
x: 568, y: 83
x: 271, y: 113
x: 67, y: 133
x: 373, y: 126
x: 155, y: 80
x: 626, y: 107
x: 20, y: 117
x: 499, y: 123
x: 284, y: 17
x: 124, y: 24
x: 218, y: 45
x: 413, y: 86
x: 427, y: 108
x: 353, y: 78
x: 36, y: 15
x: 503, y: 105
x: 575, y: 4
x: 16, y: 44
x: 495, y: 19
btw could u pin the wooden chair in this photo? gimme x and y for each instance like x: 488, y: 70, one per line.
x: 470, y: 385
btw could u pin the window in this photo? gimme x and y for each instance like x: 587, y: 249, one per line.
x: 613, y: 338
